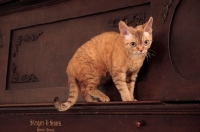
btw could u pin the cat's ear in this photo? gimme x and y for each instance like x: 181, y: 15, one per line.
x: 148, y: 25
x: 124, y: 29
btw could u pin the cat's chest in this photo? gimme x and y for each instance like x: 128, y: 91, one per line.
x: 134, y: 64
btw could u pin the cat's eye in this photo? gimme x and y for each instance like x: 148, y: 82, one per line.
x: 146, y: 42
x: 133, y: 44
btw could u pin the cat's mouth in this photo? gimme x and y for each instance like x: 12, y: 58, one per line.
x: 139, y: 54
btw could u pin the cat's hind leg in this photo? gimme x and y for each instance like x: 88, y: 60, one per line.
x: 85, y: 94
x: 91, y: 85
x: 98, y: 94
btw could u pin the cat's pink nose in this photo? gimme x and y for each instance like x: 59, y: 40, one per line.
x: 140, y: 49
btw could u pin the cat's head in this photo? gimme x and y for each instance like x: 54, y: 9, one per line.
x: 137, y: 40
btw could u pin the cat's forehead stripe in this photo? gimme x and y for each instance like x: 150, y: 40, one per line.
x: 138, y: 35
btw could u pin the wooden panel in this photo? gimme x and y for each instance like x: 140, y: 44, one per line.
x: 39, y: 54
x: 100, y: 117
x: 37, y: 50
x: 36, y: 45
x: 99, y: 123
x: 13, y: 6
x: 173, y: 72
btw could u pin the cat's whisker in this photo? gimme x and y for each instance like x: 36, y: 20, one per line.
x: 152, y: 52
x: 149, y: 54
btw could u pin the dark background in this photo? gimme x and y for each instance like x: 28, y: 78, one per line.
x: 38, y: 38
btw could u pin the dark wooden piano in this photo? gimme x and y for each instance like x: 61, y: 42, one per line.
x: 38, y: 38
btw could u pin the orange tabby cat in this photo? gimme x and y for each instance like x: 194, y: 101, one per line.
x: 119, y: 55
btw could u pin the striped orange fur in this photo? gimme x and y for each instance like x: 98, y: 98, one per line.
x: 120, y: 55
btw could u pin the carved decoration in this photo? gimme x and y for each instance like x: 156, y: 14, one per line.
x: 166, y: 10
x: 138, y: 19
x: 33, y: 37
x: 17, y: 43
x: 26, y: 38
x: 1, y: 39
x: 16, y: 78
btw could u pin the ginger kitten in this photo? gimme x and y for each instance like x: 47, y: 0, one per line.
x: 120, y: 55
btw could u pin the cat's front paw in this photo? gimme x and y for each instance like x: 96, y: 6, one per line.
x: 127, y: 98
x: 105, y: 99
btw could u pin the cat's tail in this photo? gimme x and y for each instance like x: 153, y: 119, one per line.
x: 73, y: 95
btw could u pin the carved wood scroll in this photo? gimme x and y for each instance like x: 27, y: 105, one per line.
x: 26, y: 38
x: 138, y: 19
x: 16, y: 77
x: 166, y: 10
